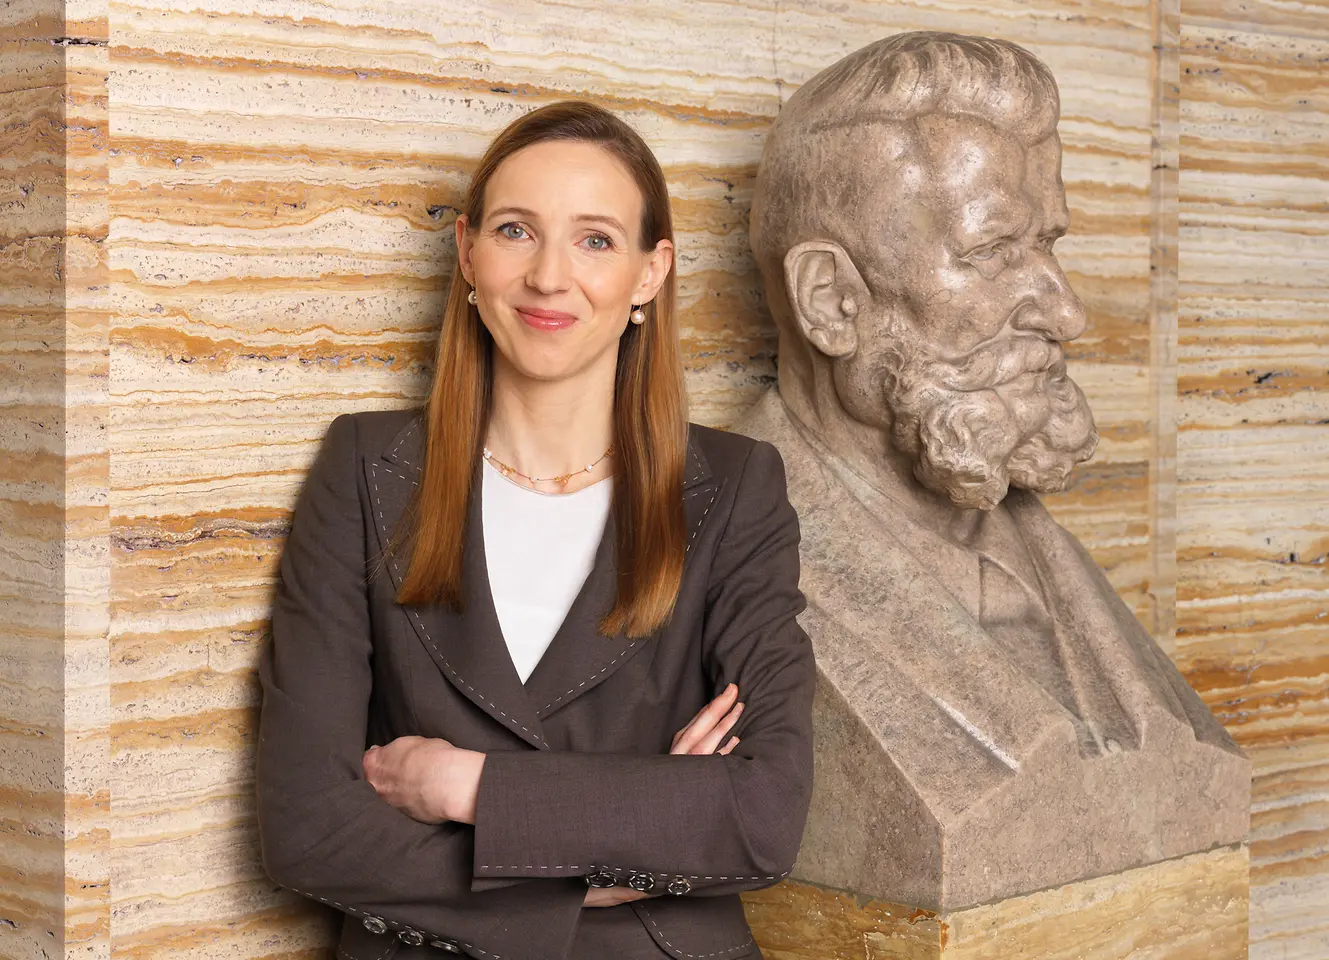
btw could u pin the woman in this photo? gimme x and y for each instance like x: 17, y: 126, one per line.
x: 538, y: 598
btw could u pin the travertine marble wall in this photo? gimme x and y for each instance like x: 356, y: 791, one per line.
x: 1253, y: 431
x: 224, y: 223
x: 32, y: 490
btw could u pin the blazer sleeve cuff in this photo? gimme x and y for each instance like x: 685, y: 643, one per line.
x: 662, y: 825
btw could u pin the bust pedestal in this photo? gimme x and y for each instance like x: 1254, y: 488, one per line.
x: 1191, y: 908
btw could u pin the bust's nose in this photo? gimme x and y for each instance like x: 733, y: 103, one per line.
x: 1053, y: 309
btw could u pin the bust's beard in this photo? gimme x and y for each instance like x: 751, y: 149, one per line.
x: 1006, y: 414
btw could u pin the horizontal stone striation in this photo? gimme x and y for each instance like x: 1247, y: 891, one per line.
x: 1253, y: 440
x: 284, y: 186
x: 268, y: 237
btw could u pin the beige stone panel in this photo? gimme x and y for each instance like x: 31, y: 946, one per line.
x: 1194, y: 906
x: 287, y: 930
x: 1189, y: 908
x: 1301, y: 18
x: 1253, y: 525
x: 710, y: 58
x: 182, y: 879
x: 34, y: 499
x: 1288, y: 824
x: 87, y: 761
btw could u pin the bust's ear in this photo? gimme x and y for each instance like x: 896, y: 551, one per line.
x: 825, y: 293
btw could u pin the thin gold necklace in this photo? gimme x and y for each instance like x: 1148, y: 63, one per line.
x: 562, y: 479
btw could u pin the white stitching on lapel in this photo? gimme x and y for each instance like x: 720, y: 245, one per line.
x: 373, y: 470
x: 695, y: 459
x: 406, y: 433
x: 399, y: 476
x: 715, y: 491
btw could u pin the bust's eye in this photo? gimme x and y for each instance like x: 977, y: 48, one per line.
x: 512, y: 230
x: 598, y: 241
x: 987, y: 253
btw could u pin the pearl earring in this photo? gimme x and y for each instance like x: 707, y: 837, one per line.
x: 472, y: 299
x: 636, y: 316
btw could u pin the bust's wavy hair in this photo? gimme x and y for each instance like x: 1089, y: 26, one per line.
x: 812, y: 164
x: 650, y: 405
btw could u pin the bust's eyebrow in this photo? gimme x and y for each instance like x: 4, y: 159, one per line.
x: 1001, y: 221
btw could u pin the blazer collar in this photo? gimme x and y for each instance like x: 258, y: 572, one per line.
x: 468, y: 647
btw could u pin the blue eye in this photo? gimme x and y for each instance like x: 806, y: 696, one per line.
x: 605, y: 242
x: 503, y: 230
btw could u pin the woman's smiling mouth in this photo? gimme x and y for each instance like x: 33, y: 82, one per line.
x: 546, y: 319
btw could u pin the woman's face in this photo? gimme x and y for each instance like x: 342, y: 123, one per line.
x: 556, y: 260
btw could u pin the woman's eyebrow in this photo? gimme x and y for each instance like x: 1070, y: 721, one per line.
x: 519, y: 211
x: 601, y: 218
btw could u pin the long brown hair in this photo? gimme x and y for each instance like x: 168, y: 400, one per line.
x: 650, y: 405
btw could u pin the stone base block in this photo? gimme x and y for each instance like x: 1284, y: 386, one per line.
x: 1189, y: 908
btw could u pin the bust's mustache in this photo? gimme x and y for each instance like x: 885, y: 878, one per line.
x: 974, y: 433
x: 996, y: 362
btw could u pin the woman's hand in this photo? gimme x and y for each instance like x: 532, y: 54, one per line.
x: 701, y: 735
x: 612, y: 896
x: 426, y: 778
x: 705, y: 731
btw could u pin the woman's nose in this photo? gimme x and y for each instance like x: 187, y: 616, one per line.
x: 548, y: 270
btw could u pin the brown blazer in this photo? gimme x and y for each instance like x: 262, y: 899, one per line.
x: 578, y: 783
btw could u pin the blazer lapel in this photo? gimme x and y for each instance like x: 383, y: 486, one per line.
x: 579, y: 658
x: 469, y: 647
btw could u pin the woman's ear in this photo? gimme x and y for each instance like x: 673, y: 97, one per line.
x: 654, y: 271
x: 826, y: 292
x: 465, y: 240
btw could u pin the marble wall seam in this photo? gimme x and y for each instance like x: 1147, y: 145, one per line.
x: 1166, y: 22
x: 88, y: 471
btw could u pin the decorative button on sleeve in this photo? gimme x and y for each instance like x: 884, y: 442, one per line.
x: 375, y: 925
x: 641, y: 882
x: 601, y: 878
x: 679, y: 886
x: 412, y: 937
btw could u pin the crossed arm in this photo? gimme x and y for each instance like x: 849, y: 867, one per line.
x: 730, y: 822
x: 432, y: 781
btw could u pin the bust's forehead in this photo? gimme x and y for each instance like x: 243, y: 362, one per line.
x: 970, y: 172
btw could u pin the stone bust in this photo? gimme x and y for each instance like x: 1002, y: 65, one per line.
x: 992, y: 719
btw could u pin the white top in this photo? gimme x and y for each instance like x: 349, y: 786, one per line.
x: 539, y: 548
